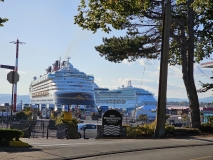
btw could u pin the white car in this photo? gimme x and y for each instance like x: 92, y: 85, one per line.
x: 90, y: 130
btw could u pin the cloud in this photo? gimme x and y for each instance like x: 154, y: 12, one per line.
x: 22, y: 72
x: 144, y: 62
x: 125, y: 61
x: 98, y: 79
x: 198, y: 70
x: 175, y: 72
x: 154, y: 73
x: 175, y: 86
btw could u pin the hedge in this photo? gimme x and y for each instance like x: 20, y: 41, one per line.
x: 10, y: 134
x: 206, y: 128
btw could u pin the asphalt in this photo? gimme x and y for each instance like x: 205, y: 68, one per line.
x: 43, y: 148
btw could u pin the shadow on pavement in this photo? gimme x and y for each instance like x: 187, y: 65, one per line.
x: 19, y: 149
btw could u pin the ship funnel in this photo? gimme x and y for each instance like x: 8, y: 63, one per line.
x: 129, y: 83
x: 55, y: 66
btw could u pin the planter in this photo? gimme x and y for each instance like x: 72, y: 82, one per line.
x: 72, y: 132
x: 61, y: 131
x: 24, y: 127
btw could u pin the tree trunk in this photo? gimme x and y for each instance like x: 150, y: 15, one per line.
x: 187, y: 52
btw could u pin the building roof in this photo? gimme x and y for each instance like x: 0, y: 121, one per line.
x: 207, y: 65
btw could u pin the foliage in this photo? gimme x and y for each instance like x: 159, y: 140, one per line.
x: 184, y: 116
x: 206, y: 128
x: 167, y: 116
x: 140, y: 130
x: 93, y: 114
x: 205, y: 87
x: 10, y: 134
x: 53, y: 115
x: 2, y: 20
x: 210, y: 120
x: 28, y: 111
x: 20, y: 115
x: 169, y: 129
x: 190, y: 34
x: 188, y: 131
x: 143, y: 117
x: 60, y: 120
x: 26, y: 114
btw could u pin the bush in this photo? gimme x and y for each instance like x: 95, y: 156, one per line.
x: 140, y: 130
x: 21, y: 115
x: 188, y: 130
x: 169, y: 130
x: 206, y: 128
x: 60, y: 120
x: 10, y: 134
x: 93, y: 114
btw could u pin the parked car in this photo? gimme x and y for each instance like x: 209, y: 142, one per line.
x: 177, y: 124
x: 90, y: 130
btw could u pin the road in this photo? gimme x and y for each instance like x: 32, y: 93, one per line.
x: 183, y: 153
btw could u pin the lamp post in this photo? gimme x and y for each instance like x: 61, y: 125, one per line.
x: 21, y: 104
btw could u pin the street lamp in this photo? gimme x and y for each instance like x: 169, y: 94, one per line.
x: 21, y: 104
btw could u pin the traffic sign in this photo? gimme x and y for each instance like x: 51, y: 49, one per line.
x: 13, y: 77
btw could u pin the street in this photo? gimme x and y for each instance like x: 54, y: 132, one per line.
x: 183, y: 153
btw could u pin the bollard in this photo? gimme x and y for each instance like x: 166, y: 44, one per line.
x: 66, y: 132
x: 28, y: 131
x: 84, y: 131
x: 47, y: 132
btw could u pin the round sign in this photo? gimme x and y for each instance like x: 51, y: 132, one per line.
x: 13, y: 77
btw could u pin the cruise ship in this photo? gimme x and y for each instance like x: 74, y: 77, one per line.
x: 124, y: 97
x: 62, y: 84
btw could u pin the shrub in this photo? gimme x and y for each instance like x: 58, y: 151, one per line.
x: 169, y: 130
x: 93, y: 114
x: 206, y: 128
x: 188, y: 130
x: 140, y: 130
x: 60, y: 120
x: 10, y: 134
x: 21, y: 115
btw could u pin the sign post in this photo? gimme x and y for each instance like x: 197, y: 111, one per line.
x: 13, y: 78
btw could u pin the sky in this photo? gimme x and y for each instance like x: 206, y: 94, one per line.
x: 47, y: 27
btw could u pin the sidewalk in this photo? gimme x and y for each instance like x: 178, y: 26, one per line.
x: 79, y: 148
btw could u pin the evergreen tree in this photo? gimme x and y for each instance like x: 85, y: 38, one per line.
x: 190, y: 34
x: 2, y: 20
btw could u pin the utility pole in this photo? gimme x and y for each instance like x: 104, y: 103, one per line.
x: 16, y: 69
x: 161, y: 108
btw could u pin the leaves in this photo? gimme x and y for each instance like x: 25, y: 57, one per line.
x: 2, y: 20
x: 131, y: 48
x: 205, y: 87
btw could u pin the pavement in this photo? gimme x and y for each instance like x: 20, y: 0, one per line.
x: 43, y: 148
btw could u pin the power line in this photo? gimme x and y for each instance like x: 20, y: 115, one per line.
x: 143, y: 74
x: 202, y: 72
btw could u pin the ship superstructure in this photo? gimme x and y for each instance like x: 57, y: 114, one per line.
x: 124, y: 97
x: 62, y: 85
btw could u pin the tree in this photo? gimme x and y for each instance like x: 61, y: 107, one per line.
x: 2, y: 20
x: 190, y: 41
x: 205, y: 87
x: 143, y: 117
